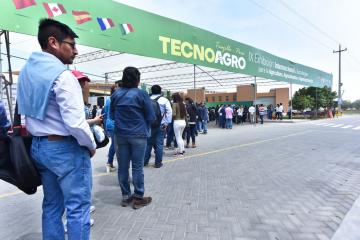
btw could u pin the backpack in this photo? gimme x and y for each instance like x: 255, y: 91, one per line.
x: 156, y: 107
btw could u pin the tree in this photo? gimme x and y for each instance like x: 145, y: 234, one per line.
x: 346, y: 104
x: 314, y: 98
x: 356, y: 104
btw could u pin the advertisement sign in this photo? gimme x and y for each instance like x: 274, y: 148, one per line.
x: 114, y: 26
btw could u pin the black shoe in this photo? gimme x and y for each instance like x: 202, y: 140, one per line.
x: 145, y: 164
x: 126, y: 202
x: 158, y: 165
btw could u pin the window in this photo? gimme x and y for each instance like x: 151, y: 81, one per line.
x: 234, y: 98
x: 220, y: 99
x: 227, y: 98
x: 213, y: 99
x: 206, y: 99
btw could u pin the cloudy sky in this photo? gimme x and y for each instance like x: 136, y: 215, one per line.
x: 304, y: 31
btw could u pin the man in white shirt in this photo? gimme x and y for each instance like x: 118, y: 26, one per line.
x: 252, y: 112
x: 156, y: 140
x: 50, y: 98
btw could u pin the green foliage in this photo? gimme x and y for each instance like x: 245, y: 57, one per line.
x: 314, y: 98
x: 356, y: 104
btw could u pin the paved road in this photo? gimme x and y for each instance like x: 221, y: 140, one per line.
x: 273, y: 181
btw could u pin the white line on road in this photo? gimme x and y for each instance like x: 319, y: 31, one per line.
x: 347, y: 126
x: 338, y: 125
x: 357, y: 128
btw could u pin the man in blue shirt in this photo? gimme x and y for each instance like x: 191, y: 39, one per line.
x: 4, y: 122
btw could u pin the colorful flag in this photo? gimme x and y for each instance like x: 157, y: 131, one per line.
x: 105, y: 23
x: 81, y: 16
x: 126, y: 28
x: 54, y: 9
x: 20, y: 4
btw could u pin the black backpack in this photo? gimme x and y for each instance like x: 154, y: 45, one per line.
x: 156, y: 107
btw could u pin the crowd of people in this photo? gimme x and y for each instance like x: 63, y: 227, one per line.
x: 50, y: 97
x: 227, y: 115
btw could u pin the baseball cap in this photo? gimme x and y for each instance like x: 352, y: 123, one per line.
x: 80, y: 76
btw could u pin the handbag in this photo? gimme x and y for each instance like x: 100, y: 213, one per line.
x: 18, y: 167
x: 101, y: 139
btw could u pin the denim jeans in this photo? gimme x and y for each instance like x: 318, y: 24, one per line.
x: 65, y: 170
x: 204, y: 123
x: 262, y: 119
x: 156, y: 141
x: 228, y: 123
x: 111, y: 152
x: 131, y: 149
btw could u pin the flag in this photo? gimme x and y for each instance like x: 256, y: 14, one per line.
x: 81, y: 16
x: 20, y: 4
x: 126, y: 28
x: 105, y: 23
x: 54, y: 9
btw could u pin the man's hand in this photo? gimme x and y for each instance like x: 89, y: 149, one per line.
x: 92, y: 153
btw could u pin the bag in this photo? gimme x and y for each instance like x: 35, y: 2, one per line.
x: 17, y: 166
x: 156, y: 107
x: 101, y: 139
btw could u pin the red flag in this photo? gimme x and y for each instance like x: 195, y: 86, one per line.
x: 81, y: 16
x: 20, y: 4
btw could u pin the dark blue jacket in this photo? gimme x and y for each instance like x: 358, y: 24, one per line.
x: 132, y: 110
x: 4, y: 122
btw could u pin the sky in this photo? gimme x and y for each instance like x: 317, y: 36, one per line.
x: 305, y: 32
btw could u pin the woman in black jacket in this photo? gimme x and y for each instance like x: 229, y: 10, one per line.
x: 192, y: 117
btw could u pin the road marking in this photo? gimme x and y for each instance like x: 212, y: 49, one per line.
x: 9, y: 194
x: 329, y: 124
x: 338, y: 125
x: 236, y: 146
x: 357, y: 128
x: 347, y: 126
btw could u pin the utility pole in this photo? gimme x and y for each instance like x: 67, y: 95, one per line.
x: 340, y: 83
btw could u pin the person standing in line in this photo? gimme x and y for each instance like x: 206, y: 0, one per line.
x: 229, y: 116
x: 133, y: 113
x: 156, y: 139
x: 192, y: 118
x: 252, y: 113
x: 281, y: 110
x: 261, y: 113
x: 50, y: 98
x: 109, y: 126
x: 240, y: 112
x: 205, y: 117
x: 179, y: 116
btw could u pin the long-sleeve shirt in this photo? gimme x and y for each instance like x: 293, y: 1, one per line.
x: 165, y: 108
x: 132, y: 110
x: 64, y: 114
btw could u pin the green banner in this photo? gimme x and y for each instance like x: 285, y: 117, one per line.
x: 113, y: 26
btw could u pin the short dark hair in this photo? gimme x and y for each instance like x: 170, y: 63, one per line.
x: 131, y: 77
x: 156, y: 89
x: 52, y: 28
x: 112, y: 89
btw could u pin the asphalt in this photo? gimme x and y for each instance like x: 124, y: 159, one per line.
x: 271, y: 181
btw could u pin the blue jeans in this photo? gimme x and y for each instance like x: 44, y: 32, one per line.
x: 131, y: 149
x: 156, y: 140
x: 111, y: 152
x: 204, y: 123
x: 65, y: 170
x: 228, y: 123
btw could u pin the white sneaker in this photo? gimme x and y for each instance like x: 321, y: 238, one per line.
x: 92, y: 222
x: 92, y: 208
x: 110, y: 168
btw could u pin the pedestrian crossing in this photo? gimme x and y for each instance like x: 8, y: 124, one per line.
x: 328, y: 123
